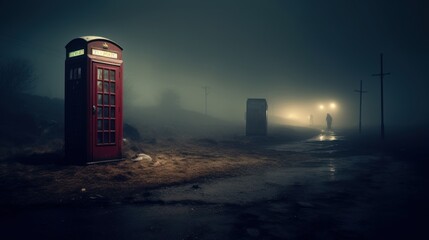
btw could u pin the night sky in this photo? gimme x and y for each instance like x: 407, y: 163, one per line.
x: 296, y: 54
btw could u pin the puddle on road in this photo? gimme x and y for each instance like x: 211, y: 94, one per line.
x: 188, y: 210
x: 269, y: 183
x: 327, y: 142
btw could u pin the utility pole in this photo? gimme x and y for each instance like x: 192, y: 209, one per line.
x: 381, y: 74
x: 360, y: 106
x: 206, y: 92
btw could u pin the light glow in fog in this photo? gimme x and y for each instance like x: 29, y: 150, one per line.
x: 298, y: 113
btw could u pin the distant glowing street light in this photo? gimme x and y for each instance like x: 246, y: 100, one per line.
x: 325, y: 108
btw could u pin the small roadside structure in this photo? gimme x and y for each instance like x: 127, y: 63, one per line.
x: 256, y: 117
x: 93, y: 100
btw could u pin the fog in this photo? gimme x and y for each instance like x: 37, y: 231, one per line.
x: 297, y: 55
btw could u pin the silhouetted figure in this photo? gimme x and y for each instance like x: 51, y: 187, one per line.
x: 329, y: 121
x: 311, y: 119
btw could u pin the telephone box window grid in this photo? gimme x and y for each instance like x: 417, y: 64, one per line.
x: 106, y: 106
x: 75, y: 73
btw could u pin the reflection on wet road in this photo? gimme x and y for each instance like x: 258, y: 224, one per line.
x: 325, y: 188
x: 326, y: 142
x: 267, y: 183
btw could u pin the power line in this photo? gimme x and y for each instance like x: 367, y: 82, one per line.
x: 381, y: 74
x: 360, y: 91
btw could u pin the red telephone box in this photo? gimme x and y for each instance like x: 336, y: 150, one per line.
x: 93, y: 100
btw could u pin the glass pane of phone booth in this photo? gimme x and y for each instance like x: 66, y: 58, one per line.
x: 106, y: 103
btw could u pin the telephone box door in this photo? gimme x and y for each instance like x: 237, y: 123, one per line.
x: 106, y: 111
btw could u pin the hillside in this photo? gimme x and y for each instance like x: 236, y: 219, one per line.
x: 177, y: 122
x: 36, y: 124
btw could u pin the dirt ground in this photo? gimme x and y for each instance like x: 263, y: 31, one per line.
x: 236, y: 188
x: 40, y: 177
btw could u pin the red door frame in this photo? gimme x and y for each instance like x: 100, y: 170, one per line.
x: 109, y: 150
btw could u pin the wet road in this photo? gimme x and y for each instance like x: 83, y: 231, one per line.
x: 337, y: 193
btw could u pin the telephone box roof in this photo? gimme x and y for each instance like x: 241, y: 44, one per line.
x: 95, y: 38
x: 257, y: 102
